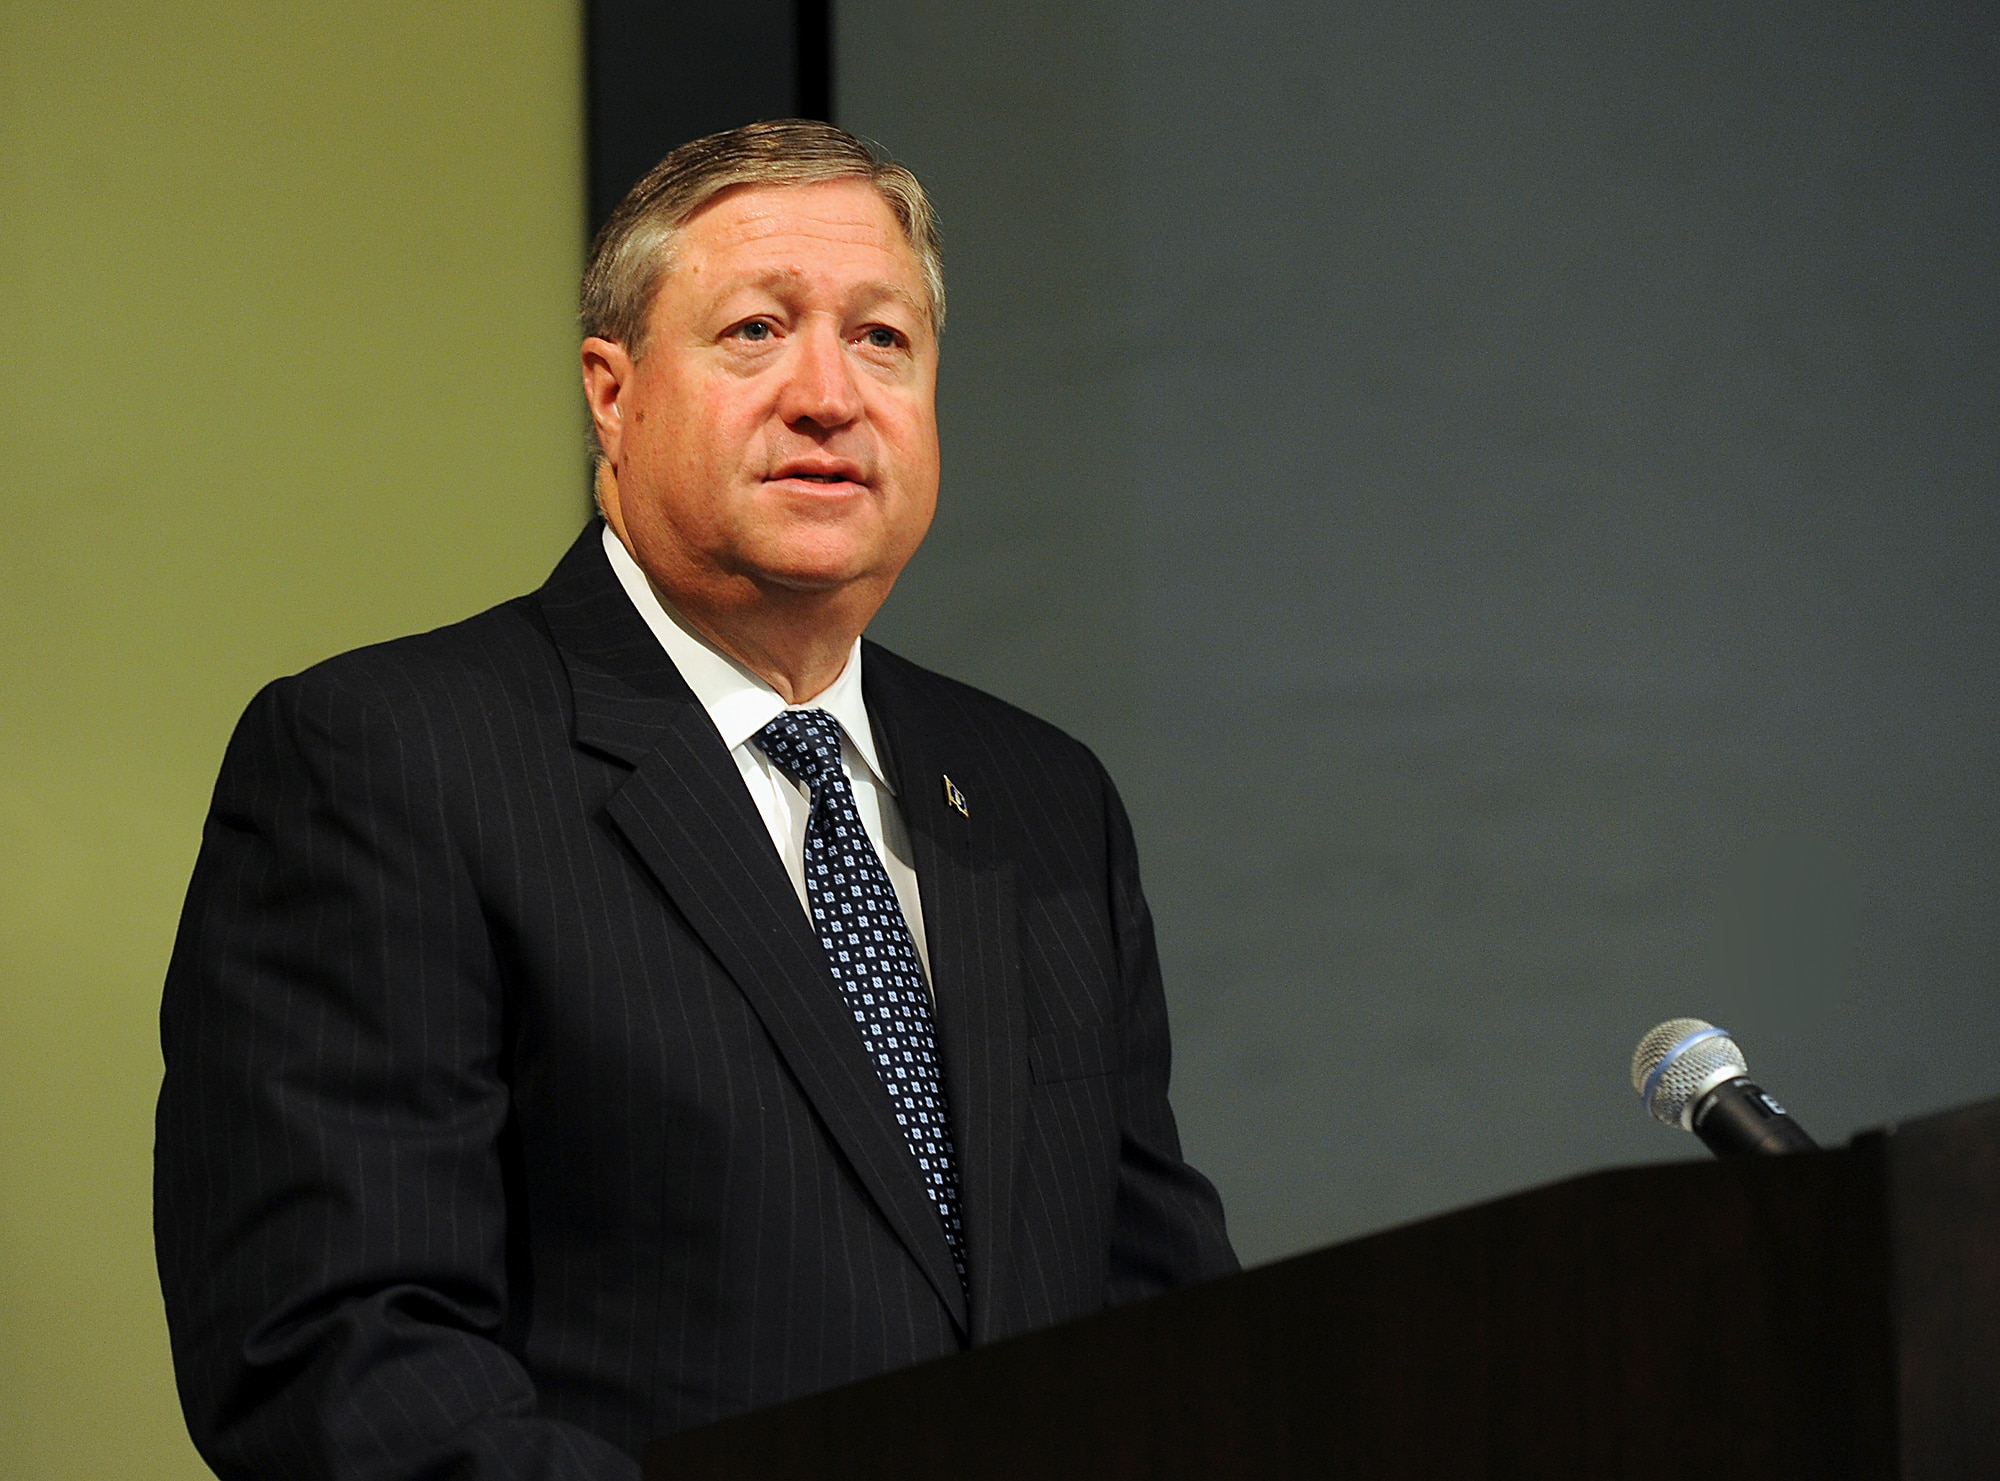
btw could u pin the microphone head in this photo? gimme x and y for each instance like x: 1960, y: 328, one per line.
x: 1679, y: 1062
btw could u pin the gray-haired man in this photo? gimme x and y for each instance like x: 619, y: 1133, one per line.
x: 646, y: 1001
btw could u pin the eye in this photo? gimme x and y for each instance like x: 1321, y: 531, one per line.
x: 757, y: 331
x: 882, y: 338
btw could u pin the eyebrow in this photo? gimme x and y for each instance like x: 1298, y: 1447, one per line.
x: 872, y: 291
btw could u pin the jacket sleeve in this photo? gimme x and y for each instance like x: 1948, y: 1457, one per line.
x: 330, y: 1205
x: 1167, y: 1227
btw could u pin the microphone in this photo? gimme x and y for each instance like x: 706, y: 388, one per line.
x: 1690, y: 1074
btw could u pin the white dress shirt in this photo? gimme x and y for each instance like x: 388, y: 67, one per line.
x: 741, y: 704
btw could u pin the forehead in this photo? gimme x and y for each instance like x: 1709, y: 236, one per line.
x: 827, y: 232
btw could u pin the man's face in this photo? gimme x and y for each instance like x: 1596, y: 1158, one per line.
x: 780, y: 429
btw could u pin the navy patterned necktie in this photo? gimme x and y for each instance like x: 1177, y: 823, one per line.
x: 860, y: 923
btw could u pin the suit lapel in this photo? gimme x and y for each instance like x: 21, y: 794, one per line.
x: 968, y: 904
x: 686, y: 814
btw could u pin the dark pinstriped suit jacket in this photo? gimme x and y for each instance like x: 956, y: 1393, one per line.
x: 512, y: 1117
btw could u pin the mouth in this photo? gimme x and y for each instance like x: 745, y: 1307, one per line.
x: 825, y: 473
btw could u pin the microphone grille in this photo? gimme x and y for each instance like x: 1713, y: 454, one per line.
x: 1679, y: 1060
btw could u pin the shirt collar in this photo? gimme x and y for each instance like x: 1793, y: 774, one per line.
x: 740, y: 703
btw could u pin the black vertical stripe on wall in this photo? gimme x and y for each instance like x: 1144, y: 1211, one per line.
x: 662, y: 72
x: 813, y: 25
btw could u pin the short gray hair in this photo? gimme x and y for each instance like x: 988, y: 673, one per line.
x: 635, y: 249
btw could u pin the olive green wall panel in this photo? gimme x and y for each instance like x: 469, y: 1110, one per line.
x: 286, y: 305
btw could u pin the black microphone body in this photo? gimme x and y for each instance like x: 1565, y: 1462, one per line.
x: 1741, y: 1119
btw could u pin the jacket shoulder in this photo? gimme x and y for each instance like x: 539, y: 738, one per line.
x: 961, y: 717
x: 420, y: 707
x: 505, y: 649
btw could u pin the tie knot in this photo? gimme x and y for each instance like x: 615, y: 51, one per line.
x: 804, y: 745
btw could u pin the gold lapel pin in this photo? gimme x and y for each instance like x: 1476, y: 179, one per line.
x: 955, y: 797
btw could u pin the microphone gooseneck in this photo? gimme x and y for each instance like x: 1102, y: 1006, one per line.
x: 1690, y: 1074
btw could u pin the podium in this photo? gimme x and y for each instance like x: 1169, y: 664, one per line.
x: 1826, y: 1315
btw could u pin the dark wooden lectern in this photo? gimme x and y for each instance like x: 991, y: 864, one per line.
x: 1828, y: 1315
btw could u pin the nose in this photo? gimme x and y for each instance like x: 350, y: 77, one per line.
x: 820, y: 393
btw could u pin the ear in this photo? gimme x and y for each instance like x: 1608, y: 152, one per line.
x: 607, y: 371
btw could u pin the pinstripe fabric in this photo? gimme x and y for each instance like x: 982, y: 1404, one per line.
x: 512, y: 1117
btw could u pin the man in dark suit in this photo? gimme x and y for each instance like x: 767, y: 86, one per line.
x: 646, y: 1001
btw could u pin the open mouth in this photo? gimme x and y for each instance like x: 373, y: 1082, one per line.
x: 839, y: 476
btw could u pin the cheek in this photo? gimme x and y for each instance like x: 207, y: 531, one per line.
x: 924, y: 464
x: 721, y: 428
x: 918, y: 480
x: 912, y: 432
x: 686, y: 448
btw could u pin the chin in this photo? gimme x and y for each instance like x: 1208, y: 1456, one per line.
x: 811, y: 578
x: 817, y: 566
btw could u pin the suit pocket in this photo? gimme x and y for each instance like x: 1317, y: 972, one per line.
x: 1073, y: 1054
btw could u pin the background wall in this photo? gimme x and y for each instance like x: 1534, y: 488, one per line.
x: 1514, y: 495
x: 286, y: 301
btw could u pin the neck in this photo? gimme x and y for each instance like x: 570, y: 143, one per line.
x: 799, y: 653
x: 795, y: 641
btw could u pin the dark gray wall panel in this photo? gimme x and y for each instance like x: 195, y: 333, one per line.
x: 1514, y: 494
